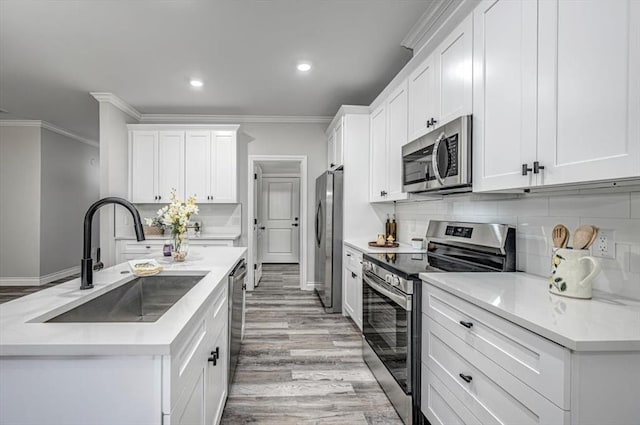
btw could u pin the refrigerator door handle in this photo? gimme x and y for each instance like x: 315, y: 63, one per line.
x: 318, y: 223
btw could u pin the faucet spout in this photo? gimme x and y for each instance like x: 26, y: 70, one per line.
x: 86, y: 266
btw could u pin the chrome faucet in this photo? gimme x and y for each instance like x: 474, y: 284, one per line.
x: 86, y: 266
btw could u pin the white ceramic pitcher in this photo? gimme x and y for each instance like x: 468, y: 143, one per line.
x: 573, y: 273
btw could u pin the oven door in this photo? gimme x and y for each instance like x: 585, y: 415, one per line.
x: 387, y: 327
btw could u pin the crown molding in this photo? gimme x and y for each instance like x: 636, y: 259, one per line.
x: 118, y: 103
x: 244, y: 119
x: 48, y: 126
x: 428, y: 24
x: 174, y: 126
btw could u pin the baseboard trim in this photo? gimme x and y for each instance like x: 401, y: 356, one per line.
x: 39, y: 281
x: 309, y: 286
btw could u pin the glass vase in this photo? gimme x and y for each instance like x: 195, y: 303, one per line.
x: 179, y: 247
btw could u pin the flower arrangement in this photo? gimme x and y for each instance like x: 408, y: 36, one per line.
x: 176, y: 215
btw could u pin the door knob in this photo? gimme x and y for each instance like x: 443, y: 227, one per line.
x: 261, y: 227
x: 295, y: 224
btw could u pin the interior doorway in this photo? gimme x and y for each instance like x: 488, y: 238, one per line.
x: 277, y: 222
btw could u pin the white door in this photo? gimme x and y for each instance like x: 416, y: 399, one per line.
x: 170, y: 164
x: 453, y: 58
x: 281, y: 219
x: 198, y: 165
x: 422, y: 98
x: 589, y: 90
x: 397, y: 136
x: 143, y: 166
x: 504, y: 93
x: 258, y: 231
x: 223, y: 173
x: 378, y: 170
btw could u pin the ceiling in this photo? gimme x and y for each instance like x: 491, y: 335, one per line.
x: 53, y: 53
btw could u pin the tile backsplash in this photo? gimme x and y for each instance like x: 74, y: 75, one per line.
x: 534, y: 217
x: 215, y: 218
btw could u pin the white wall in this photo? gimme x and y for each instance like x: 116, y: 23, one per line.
x: 114, y: 173
x: 535, y: 216
x: 289, y: 139
x: 70, y: 184
x: 20, y: 202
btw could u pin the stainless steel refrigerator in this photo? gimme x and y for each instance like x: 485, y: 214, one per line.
x: 328, y: 240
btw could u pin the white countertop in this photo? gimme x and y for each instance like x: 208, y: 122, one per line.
x: 205, y: 236
x: 20, y: 337
x: 604, y: 323
x: 362, y: 245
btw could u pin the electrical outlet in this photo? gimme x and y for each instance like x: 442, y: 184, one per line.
x: 605, y: 244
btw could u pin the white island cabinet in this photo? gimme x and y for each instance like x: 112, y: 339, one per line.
x: 498, y: 348
x: 171, y: 371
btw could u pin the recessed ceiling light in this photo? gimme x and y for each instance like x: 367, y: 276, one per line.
x: 304, y: 67
x: 196, y: 83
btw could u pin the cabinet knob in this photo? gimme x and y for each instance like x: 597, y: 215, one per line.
x: 466, y: 378
x: 159, y: 197
x: 526, y: 169
x: 467, y: 325
x: 383, y: 193
x: 537, y: 167
x: 155, y: 197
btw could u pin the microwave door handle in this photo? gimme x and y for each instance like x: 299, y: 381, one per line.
x: 403, y: 302
x: 434, y: 158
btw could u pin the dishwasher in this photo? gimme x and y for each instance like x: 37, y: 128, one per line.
x: 237, y: 288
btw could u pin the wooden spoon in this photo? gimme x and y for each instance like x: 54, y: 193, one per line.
x: 593, y: 239
x: 560, y: 236
x: 583, y: 236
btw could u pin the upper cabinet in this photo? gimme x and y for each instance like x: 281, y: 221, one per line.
x: 547, y: 109
x: 440, y: 88
x: 335, y: 144
x: 197, y: 161
x: 156, y: 165
x: 388, y: 132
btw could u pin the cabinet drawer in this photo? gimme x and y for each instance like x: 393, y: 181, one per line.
x: 492, y: 394
x: 536, y: 361
x: 141, y: 247
x: 353, y: 260
x: 439, y: 404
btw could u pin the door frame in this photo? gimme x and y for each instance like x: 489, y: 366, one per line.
x: 302, y: 160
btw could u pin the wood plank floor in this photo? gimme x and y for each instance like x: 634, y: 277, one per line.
x: 299, y: 365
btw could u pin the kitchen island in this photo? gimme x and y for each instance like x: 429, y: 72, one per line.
x: 172, y: 370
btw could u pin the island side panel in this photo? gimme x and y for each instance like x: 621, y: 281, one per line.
x: 82, y: 390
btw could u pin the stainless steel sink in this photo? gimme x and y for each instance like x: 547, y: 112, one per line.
x: 144, y: 299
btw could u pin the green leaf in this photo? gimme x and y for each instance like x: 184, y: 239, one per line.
x: 557, y: 279
x: 563, y: 287
x: 560, y: 257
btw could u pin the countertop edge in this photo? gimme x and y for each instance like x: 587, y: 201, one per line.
x: 576, y: 346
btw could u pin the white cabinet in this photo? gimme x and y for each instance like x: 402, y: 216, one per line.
x: 388, y: 134
x: 589, y: 90
x: 128, y: 249
x: 440, y: 88
x: 156, y: 165
x: 335, y: 144
x: 352, y: 284
x: 546, y: 110
x: 196, y: 161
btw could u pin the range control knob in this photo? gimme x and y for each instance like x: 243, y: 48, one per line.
x: 395, y: 281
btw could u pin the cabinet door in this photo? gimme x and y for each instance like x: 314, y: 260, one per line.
x: 589, y: 90
x: 422, y: 98
x: 142, y: 166
x: 223, y: 172
x: 170, y: 164
x: 378, y: 170
x: 331, y: 150
x: 349, y: 295
x: 198, y: 165
x: 454, y: 74
x: 504, y: 93
x: 339, y: 141
x: 217, y: 376
x: 357, y: 308
x: 397, y: 136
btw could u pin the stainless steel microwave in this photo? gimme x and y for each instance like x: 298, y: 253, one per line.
x: 439, y: 161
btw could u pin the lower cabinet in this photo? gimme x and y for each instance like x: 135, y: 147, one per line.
x: 352, y: 284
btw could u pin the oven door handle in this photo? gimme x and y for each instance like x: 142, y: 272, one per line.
x: 402, y: 301
x: 434, y: 158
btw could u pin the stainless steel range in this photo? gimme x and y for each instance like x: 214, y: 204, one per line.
x: 392, y: 297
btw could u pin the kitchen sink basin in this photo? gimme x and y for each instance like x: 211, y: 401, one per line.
x: 144, y: 299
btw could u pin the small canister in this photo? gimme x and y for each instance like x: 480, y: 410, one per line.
x: 417, y: 243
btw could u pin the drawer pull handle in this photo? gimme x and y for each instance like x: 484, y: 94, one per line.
x: 348, y: 255
x: 215, y: 355
x: 466, y: 378
x: 466, y: 324
x: 148, y: 246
